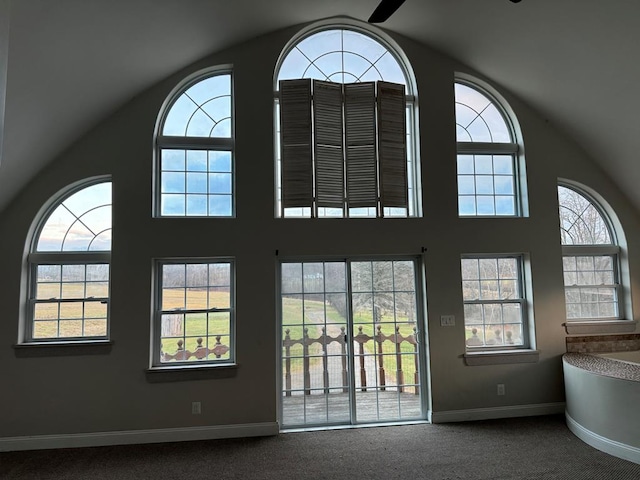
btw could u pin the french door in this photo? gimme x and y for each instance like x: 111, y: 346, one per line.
x: 351, y: 342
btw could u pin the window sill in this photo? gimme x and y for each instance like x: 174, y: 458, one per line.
x: 487, y: 217
x: 181, y: 373
x: 59, y: 349
x: 501, y: 357
x: 599, y: 326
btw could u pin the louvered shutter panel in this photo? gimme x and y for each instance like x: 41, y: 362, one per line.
x: 360, y: 139
x: 296, y: 143
x: 329, y: 156
x: 392, y: 145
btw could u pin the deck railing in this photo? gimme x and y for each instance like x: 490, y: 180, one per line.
x: 363, y: 350
x: 199, y: 353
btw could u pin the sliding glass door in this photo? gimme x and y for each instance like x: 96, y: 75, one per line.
x: 350, y: 342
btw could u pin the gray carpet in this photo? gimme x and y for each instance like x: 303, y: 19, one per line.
x: 523, y: 449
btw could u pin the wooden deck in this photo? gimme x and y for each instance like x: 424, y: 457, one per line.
x: 333, y: 408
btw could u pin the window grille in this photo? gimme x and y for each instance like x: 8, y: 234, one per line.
x: 590, y: 258
x: 194, y: 313
x: 69, y: 268
x: 487, y: 167
x: 494, y: 302
x: 195, y: 145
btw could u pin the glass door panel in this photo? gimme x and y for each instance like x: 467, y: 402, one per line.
x: 314, y: 352
x: 385, y: 341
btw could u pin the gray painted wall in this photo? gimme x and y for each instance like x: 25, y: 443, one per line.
x: 53, y: 394
x: 5, y: 8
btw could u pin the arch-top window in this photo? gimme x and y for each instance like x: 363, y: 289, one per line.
x: 343, y: 56
x: 69, y: 268
x: 488, y: 170
x: 581, y: 221
x: 195, y: 150
x: 590, y: 257
x: 358, y: 90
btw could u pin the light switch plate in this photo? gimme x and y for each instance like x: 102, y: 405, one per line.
x: 447, y: 320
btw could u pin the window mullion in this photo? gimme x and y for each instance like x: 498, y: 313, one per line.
x: 65, y: 258
x: 195, y: 310
x: 196, y: 143
x: 487, y: 148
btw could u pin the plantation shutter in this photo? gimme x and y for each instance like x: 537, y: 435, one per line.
x: 360, y: 140
x: 392, y: 155
x: 296, y: 141
x: 354, y: 132
x: 329, y: 152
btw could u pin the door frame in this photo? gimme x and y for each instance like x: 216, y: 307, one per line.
x: 422, y: 334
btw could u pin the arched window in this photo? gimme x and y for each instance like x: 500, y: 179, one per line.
x: 590, y: 257
x: 69, y: 267
x: 194, y: 149
x: 360, y: 91
x: 488, y: 169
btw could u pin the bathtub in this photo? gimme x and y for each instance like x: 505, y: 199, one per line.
x: 603, y: 401
x: 629, y: 357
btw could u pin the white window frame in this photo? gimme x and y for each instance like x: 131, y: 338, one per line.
x: 222, y: 144
x: 156, y: 361
x: 36, y: 259
x: 522, y: 300
x: 512, y: 149
x: 612, y: 250
x: 412, y: 150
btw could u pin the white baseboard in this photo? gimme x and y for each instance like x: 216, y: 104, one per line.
x: 497, y: 412
x: 617, y: 449
x: 73, y: 440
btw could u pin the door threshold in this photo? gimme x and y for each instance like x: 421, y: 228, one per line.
x: 359, y: 425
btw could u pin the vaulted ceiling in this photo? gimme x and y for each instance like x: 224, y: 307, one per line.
x: 73, y: 62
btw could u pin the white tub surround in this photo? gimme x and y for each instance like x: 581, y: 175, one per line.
x: 602, y: 398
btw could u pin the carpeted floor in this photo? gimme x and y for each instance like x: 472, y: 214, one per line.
x: 519, y: 449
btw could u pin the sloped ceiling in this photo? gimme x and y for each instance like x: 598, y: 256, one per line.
x: 73, y: 62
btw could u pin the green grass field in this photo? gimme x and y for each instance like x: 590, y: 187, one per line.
x: 57, y: 319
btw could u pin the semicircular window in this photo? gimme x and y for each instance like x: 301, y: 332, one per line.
x: 81, y: 222
x: 69, y: 268
x: 341, y: 56
x: 590, y: 258
x: 195, y: 146
x: 342, y: 80
x: 487, y: 156
x: 202, y: 110
x: 581, y: 222
x: 478, y: 118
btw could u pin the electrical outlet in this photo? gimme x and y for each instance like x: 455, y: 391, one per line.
x: 196, y: 408
x: 501, y: 390
x: 447, y: 320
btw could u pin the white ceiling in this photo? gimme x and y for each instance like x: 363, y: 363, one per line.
x: 73, y: 62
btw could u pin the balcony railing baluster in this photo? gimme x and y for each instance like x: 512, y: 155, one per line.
x: 361, y: 340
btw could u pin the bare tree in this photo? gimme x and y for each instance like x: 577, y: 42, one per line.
x: 580, y: 221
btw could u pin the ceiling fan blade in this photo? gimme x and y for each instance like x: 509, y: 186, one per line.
x: 385, y: 9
